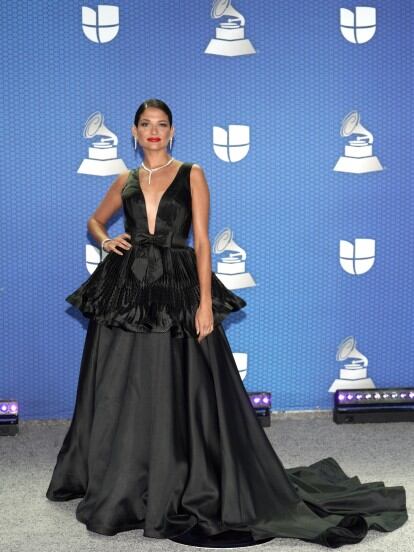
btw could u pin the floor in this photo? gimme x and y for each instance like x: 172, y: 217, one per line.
x: 29, y: 522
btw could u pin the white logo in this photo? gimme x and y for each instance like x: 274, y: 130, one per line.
x: 103, y: 154
x: 358, y: 156
x: 93, y: 257
x: 229, y: 39
x: 359, y: 27
x: 231, y: 270
x: 359, y: 258
x: 241, y: 363
x: 354, y: 374
x: 102, y: 25
x: 232, y: 145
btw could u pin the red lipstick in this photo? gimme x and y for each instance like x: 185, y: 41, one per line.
x: 154, y: 139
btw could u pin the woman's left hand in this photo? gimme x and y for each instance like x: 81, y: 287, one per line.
x: 204, y: 321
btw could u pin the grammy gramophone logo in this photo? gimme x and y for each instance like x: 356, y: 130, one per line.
x: 102, y: 157
x: 101, y: 24
x: 353, y: 374
x: 229, y: 40
x: 358, y: 156
x: 231, y: 269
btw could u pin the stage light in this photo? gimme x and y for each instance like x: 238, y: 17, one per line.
x: 261, y: 401
x: 9, y: 417
x: 394, y: 404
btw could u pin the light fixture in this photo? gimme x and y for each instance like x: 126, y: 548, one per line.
x: 9, y: 417
x: 261, y: 401
x: 392, y: 404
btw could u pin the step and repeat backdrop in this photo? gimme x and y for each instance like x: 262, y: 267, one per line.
x: 300, y: 114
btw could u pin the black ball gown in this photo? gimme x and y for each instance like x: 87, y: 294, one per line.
x: 163, y: 436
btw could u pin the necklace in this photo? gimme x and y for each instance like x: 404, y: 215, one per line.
x: 156, y: 169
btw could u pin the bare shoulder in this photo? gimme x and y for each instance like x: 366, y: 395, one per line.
x: 120, y: 181
x: 197, y: 178
x: 123, y: 177
x: 196, y: 169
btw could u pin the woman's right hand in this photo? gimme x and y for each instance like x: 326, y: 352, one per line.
x: 118, y: 241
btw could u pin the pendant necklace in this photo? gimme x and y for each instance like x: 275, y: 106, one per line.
x: 156, y: 169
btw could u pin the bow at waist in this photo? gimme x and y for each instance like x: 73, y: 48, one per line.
x: 148, y: 262
x: 168, y: 239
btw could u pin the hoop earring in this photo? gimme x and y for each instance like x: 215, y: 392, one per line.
x: 135, y: 143
x: 170, y: 143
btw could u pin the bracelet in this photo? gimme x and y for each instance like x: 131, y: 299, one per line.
x: 103, y: 241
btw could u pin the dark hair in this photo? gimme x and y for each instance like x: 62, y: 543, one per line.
x: 153, y: 102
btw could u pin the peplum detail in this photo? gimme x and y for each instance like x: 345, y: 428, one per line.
x: 114, y: 296
x: 153, y: 286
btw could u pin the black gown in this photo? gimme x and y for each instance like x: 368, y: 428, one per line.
x: 163, y: 436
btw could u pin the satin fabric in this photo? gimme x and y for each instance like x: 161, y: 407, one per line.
x: 163, y: 436
x: 164, y: 439
x: 153, y: 286
x: 148, y: 264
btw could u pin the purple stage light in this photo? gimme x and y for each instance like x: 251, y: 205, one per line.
x: 261, y: 402
x: 8, y: 407
x: 9, y: 416
x: 379, y: 405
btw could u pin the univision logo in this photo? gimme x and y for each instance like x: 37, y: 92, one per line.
x: 100, y: 25
x: 357, y: 258
x: 358, y: 27
x: 233, y: 144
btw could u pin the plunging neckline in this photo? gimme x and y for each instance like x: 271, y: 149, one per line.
x: 159, y: 202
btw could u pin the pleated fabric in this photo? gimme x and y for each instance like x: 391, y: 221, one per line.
x: 153, y: 286
x: 163, y: 438
x: 114, y: 296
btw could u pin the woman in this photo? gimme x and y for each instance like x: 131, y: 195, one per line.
x: 163, y: 435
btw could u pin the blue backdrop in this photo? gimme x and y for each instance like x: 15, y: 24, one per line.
x: 286, y: 205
